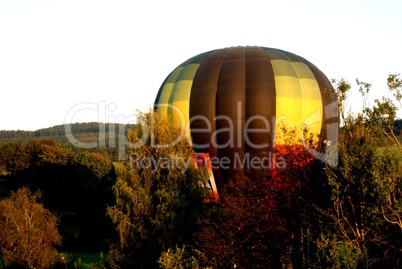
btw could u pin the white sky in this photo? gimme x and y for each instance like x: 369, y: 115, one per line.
x: 94, y: 60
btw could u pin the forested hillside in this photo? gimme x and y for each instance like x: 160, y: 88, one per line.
x: 398, y: 127
x: 88, y: 131
x: 82, y: 132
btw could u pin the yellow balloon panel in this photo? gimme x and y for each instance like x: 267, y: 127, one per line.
x: 312, y: 116
x: 180, y: 96
x: 303, y: 71
x: 311, y: 96
x: 288, y: 110
x: 287, y: 86
x: 310, y: 89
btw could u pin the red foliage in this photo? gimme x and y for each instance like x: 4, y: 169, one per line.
x: 289, y: 176
x: 253, y: 226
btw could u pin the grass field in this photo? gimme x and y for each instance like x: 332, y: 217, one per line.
x: 392, y: 149
x: 75, y: 260
x: 83, y: 260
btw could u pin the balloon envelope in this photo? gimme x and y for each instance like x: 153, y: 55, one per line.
x: 231, y: 100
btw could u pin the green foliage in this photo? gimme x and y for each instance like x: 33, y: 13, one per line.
x: 366, y: 191
x: 59, y: 131
x: 78, y: 186
x: 342, y: 89
x: 81, y: 261
x: 178, y: 258
x: 97, y: 163
x: 394, y: 83
x: 32, y: 153
x: 336, y: 254
x: 158, y: 198
x: 364, y: 89
x: 28, y: 231
x: 354, y: 182
x: 7, y: 152
x: 390, y: 188
x: 83, y: 132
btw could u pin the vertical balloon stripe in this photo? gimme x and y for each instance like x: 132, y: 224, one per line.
x: 203, y: 103
x: 260, y: 102
x: 203, y: 106
x: 289, y: 102
x: 311, y: 96
x: 327, y: 96
x: 175, y: 94
x: 180, y: 96
x: 230, y: 104
x: 165, y: 92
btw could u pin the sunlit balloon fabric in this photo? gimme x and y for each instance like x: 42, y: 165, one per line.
x: 231, y: 100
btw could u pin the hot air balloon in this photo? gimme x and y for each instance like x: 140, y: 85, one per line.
x: 231, y: 100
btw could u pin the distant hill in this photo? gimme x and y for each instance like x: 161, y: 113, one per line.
x: 107, y: 135
x: 90, y: 132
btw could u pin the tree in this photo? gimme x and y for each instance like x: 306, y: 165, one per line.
x: 355, y: 191
x: 158, y: 196
x: 28, y: 231
x: 91, y: 182
x: 243, y: 230
x: 394, y: 83
x: 366, y: 188
x: 7, y: 152
x: 15, y: 158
